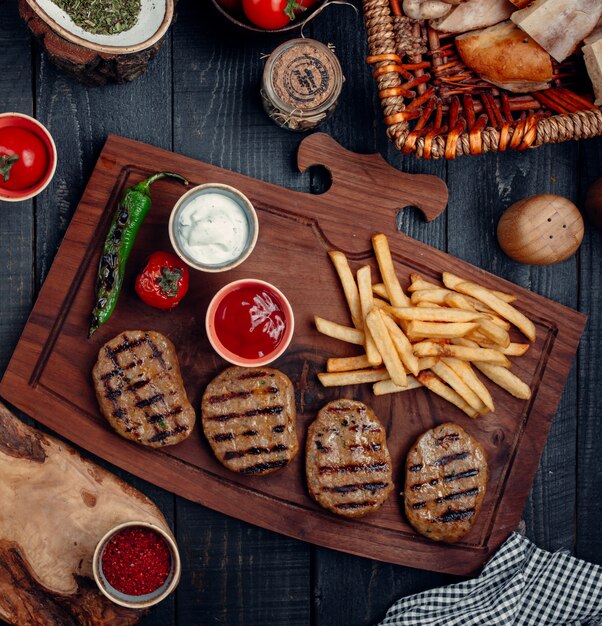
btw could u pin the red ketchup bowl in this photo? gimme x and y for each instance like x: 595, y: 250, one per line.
x: 41, y: 141
x: 249, y: 322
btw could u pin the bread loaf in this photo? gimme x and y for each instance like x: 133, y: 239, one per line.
x: 474, y: 14
x: 559, y: 26
x: 592, y: 53
x: 507, y: 57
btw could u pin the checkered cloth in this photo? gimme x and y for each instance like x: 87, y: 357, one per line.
x: 521, y: 585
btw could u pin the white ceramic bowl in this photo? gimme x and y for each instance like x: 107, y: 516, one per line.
x: 247, y: 208
x: 149, y: 599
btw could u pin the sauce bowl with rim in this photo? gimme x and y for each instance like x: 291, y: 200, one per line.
x: 20, y: 120
x: 149, y: 599
x: 213, y: 334
x: 228, y: 193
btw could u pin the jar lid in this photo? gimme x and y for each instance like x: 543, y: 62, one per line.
x: 303, y: 76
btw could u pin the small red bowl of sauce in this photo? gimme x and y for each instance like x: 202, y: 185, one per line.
x: 249, y: 322
x: 32, y: 154
x: 136, y: 564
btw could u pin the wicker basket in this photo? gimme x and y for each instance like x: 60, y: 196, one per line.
x: 436, y: 107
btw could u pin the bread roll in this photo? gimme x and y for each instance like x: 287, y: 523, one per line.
x: 558, y: 26
x: 507, y: 57
x: 474, y: 14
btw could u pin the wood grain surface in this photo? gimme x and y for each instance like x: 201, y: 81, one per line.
x: 46, y: 574
x: 296, y: 231
x: 200, y: 98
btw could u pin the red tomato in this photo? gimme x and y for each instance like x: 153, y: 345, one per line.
x: 23, y: 158
x: 232, y: 6
x: 272, y: 14
x: 163, y: 281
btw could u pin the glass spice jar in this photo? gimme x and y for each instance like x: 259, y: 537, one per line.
x: 302, y: 82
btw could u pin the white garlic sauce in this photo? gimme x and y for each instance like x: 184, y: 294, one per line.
x: 213, y: 229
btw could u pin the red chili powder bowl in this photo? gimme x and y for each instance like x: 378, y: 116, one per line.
x: 136, y: 564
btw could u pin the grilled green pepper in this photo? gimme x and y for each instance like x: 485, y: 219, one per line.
x: 128, y: 218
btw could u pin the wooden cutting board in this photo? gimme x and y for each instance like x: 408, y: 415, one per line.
x: 49, y: 374
x: 56, y: 506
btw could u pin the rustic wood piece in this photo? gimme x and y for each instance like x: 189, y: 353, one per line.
x: 296, y: 230
x: 435, y: 106
x: 86, y: 65
x: 593, y: 203
x: 56, y: 505
x: 541, y: 230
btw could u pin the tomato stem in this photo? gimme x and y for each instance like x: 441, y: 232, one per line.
x: 6, y: 162
x: 292, y: 6
x: 168, y: 281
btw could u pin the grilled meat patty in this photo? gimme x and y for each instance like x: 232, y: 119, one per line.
x: 249, y: 419
x: 140, y: 389
x: 348, y: 464
x: 446, y: 478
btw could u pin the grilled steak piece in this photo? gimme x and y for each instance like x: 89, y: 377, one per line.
x: 249, y: 419
x: 446, y: 478
x: 348, y: 464
x: 140, y: 390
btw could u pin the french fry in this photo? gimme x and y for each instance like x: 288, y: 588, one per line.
x: 449, y: 376
x: 380, y: 290
x: 364, y: 284
x: 505, y: 379
x: 467, y: 374
x: 380, y: 243
x: 440, y: 330
x: 347, y: 363
x: 494, y: 333
x: 468, y: 303
x: 338, y: 331
x: 339, y: 260
x: 434, y: 314
x: 428, y: 305
x: 376, y: 324
x: 427, y: 362
x: 441, y: 389
x: 514, y: 349
x: 379, y: 304
x: 522, y: 322
x: 451, y: 279
x: 340, y: 379
x: 388, y: 386
x: 402, y: 345
x: 417, y: 283
x: 436, y: 296
x: 487, y: 355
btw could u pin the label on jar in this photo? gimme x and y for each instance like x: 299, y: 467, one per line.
x: 303, y: 77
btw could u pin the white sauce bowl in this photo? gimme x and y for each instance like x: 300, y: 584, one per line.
x: 239, y: 228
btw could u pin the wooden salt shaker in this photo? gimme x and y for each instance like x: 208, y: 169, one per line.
x: 541, y: 230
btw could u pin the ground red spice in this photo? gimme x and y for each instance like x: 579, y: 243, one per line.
x: 136, y: 561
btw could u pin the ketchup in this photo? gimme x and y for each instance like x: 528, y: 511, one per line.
x: 250, y: 321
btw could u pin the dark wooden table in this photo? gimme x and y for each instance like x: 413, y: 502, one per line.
x: 200, y: 98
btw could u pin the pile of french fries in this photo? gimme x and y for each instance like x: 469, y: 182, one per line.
x: 434, y: 338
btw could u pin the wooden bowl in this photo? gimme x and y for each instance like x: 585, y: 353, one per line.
x: 98, y: 59
x: 244, y: 24
x: 155, y: 18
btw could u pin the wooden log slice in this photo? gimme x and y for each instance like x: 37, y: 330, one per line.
x: 56, y: 505
x: 83, y: 64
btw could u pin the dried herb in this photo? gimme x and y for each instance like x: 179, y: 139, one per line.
x: 102, y: 17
